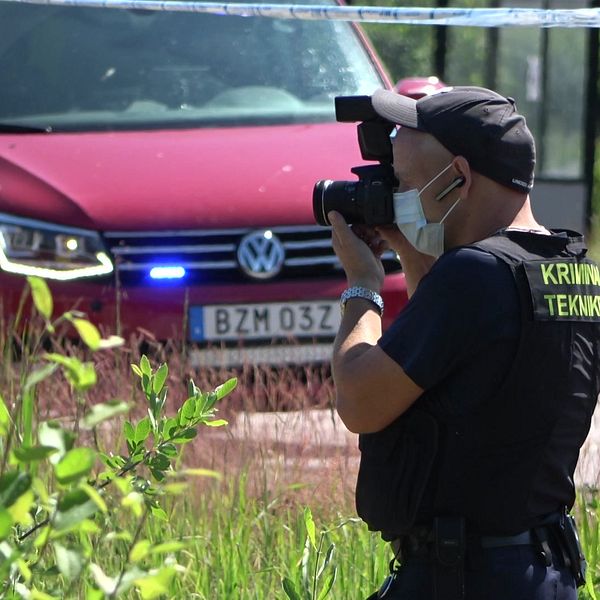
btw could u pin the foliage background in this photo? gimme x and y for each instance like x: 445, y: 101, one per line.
x: 409, y: 50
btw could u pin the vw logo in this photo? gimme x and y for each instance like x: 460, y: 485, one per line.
x: 261, y: 254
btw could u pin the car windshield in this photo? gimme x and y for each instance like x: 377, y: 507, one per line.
x: 76, y: 69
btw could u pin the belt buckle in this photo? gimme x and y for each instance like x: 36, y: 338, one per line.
x: 386, y: 585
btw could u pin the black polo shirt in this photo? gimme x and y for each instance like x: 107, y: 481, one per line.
x: 460, y: 328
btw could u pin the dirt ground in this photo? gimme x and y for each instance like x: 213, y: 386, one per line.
x: 314, y: 445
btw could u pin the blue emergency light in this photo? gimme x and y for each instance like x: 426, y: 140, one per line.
x: 167, y: 272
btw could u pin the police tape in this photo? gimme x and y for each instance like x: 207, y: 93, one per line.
x: 473, y: 17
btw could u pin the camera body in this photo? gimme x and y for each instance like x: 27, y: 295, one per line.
x: 368, y: 200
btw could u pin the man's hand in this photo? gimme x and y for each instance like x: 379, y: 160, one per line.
x: 359, y: 249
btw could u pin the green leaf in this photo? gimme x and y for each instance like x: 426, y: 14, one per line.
x: 170, y: 425
x: 6, y: 523
x: 310, y: 527
x: 74, y: 465
x: 114, y: 462
x: 147, y: 387
x: 42, y: 297
x: 160, y: 378
x: 161, y: 399
x: 72, y: 509
x: 13, y: 484
x: 159, y: 513
x: 27, y: 410
x: 199, y: 473
x: 4, y: 417
x: 69, y: 562
x: 216, y: 423
x: 88, y: 332
x: 289, y: 587
x: 27, y: 454
x: 85, y: 377
x: 589, y: 584
x: 50, y: 433
x: 160, y: 461
x: 186, y: 412
x: 145, y: 366
x: 157, y: 474
x: 129, y: 432
x: 23, y: 567
x: 142, y: 430
x: 94, y: 594
x: 109, y: 584
x: 37, y: 595
x: 152, y: 418
x: 65, y: 361
x: 134, y: 501
x: 94, y: 495
x: 39, y: 487
x: 169, y: 450
x: 192, y: 389
x: 167, y: 547
x: 139, y: 551
x: 128, y: 578
x: 157, y: 584
x: 39, y: 375
x: 136, y: 370
x: 80, y: 375
x: 327, y: 560
x: 209, y: 400
x: 328, y: 584
x: 226, y: 388
x: 42, y: 537
x: 104, y: 411
x: 185, y: 436
x: 20, y: 509
x: 112, y: 341
x: 175, y: 489
x: 124, y: 536
x: 103, y: 581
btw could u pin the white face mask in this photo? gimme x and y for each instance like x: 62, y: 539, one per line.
x: 410, y: 218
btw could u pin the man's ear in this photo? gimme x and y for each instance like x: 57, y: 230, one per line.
x: 463, y: 170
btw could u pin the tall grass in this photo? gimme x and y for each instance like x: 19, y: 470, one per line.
x: 247, y: 544
x: 244, y: 534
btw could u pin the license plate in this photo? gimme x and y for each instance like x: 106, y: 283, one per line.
x: 225, y: 322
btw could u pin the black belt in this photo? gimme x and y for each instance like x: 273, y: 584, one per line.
x: 524, y: 538
x: 418, y: 543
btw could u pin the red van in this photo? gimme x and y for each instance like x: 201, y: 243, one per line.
x: 157, y: 169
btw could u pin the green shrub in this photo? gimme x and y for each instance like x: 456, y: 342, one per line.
x: 60, y: 495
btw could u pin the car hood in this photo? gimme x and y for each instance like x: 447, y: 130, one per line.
x: 202, y: 178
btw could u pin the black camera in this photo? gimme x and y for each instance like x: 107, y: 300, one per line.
x: 370, y: 199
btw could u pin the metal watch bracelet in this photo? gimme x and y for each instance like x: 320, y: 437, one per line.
x: 361, y: 292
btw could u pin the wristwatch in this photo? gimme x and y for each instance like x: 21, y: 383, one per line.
x: 361, y: 292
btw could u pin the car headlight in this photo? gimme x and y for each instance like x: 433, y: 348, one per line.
x: 30, y: 247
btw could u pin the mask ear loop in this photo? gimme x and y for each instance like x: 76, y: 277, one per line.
x: 450, y: 209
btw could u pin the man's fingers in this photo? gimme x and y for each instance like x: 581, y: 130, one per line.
x: 340, y: 228
x: 392, y: 235
x: 336, y: 219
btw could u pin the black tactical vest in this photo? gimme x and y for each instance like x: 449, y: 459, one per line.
x: 508, y: 463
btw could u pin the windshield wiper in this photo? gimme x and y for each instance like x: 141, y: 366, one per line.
x: 13, y: 128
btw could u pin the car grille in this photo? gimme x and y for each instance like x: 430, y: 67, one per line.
x: 211, y: 256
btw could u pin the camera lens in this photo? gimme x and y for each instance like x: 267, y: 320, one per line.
x: 336, y: 195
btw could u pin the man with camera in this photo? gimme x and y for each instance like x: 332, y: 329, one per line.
x: 473, y: 406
